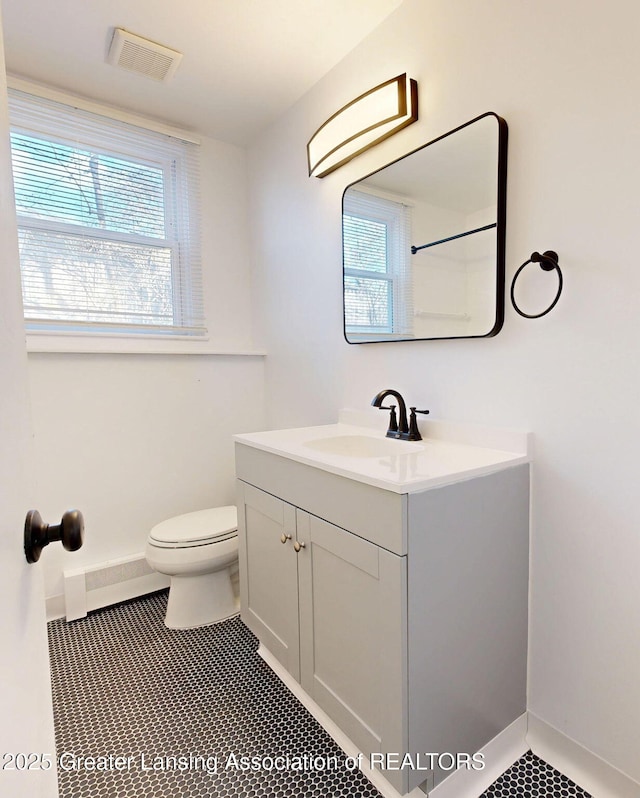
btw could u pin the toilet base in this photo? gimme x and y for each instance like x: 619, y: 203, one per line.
x: 200, y: 600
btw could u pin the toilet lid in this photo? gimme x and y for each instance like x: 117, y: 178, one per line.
x: 203, y: 526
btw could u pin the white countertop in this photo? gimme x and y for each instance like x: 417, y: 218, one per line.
x: 364, y: 454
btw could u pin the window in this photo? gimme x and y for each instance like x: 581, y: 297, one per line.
x: 108, y: 223
x: 377, y: 279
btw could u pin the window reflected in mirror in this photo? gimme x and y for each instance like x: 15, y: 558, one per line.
x: 377, y: 265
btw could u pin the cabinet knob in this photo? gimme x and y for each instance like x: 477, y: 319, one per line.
x: 284, y: 537
x: 298, y: 545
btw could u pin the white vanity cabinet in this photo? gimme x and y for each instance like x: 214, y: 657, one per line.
x: 333, y: 613
x: 403, y: 615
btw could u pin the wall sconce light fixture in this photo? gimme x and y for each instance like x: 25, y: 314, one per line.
x: 362, y: 123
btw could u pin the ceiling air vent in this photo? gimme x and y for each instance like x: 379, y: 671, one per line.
x: 143, y: 56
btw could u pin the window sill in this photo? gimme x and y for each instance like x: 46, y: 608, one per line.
x: 74, y: 343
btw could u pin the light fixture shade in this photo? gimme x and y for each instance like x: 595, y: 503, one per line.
x: 365, y: 121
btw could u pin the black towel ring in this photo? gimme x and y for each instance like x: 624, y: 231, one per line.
x: 548, y: 261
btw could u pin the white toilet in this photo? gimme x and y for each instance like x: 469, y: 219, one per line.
x: 196, y: 550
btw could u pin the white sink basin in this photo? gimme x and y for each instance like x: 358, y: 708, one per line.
x: 366, y: 455
x: 362, y: 446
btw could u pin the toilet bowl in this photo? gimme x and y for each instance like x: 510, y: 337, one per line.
x: 196, y: 550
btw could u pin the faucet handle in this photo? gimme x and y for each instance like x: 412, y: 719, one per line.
x: 393, y: 421
x: 414, y: 432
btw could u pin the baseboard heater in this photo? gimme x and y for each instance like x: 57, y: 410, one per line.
x: 95, y: 586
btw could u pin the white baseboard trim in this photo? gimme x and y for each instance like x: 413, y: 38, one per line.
x: 54, y: 606
x: 102, y: 584
x: 499, y: 754
x: 582, y: 766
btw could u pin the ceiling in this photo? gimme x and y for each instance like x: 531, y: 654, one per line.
x: 245, y: 61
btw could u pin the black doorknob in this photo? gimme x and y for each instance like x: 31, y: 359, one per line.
x: 37, y: 534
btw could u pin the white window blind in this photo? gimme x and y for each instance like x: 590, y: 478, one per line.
x: 108, y: 222
x: 377, y: 270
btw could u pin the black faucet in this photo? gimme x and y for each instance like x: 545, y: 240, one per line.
x: 399, y: 428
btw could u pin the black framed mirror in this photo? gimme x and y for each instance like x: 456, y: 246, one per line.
x: 423, y: 240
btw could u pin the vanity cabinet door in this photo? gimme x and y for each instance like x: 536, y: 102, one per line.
x: 268, y: 573
x: 353, y: 633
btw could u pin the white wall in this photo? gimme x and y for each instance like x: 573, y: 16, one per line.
x: 566, y: 76
x: 133, y: 439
